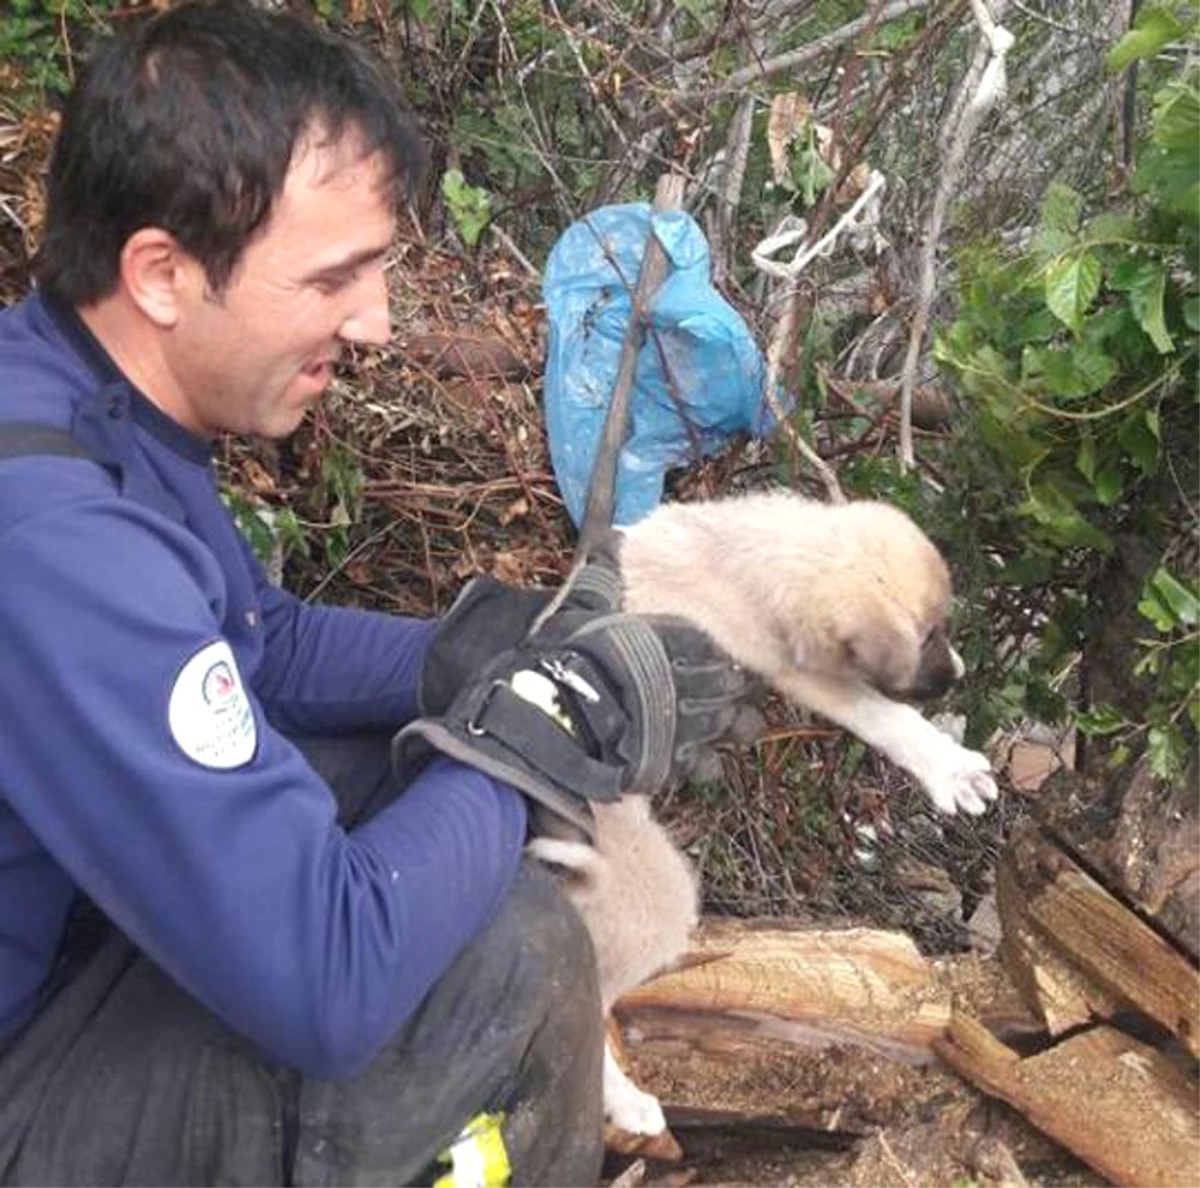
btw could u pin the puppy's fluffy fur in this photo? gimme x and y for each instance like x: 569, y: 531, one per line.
x: 639, y: 897
x: 841, y: 607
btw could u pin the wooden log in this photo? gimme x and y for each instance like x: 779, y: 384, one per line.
x: 744, y: 1025
x: 796, y: 985
x: 1079, y: 953
x: 1139, y: 834
x: 1116, y: 1103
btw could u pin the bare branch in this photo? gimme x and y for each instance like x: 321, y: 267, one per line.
x: 802, y: 56
x: 729, y: 196
x: 991, y: 86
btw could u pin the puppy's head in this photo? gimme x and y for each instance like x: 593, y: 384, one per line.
x: 903, y: 659
x: 893, y: 619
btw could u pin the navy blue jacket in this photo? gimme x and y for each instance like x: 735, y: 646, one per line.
x: 147, y: 669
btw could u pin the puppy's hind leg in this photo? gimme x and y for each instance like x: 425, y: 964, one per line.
x: 638, y: 896
x: 627, y: 1107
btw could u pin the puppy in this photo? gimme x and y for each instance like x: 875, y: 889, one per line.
x: 640, y: 899
x: 843, y: 609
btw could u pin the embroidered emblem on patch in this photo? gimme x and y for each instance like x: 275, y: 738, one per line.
x: 209, y: 713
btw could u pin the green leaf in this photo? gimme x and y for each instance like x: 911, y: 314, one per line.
x: 1167, y: 751
x: 1071, y: 287
x: 1146, y: 299
x: 1110, y: 225
x: 291, y: 534
x: 808, y: 174
x: 1108, y: 483
x: 1191, y: 313
x: 1183, y: 603
x: 1085, y: 458
x: 1052, y: 242
x: 1140, y: 437
x: 1177, y: 115
x: 1119, y: 756
x: 1154, y: 27
x: 1101, y: 720
x: 1151, y: 608
x: 1173, y: 181
x: 254, y: 522
x: 470, y: 206
x: 1070, y: 372
x: 1061, y: 208
x: 1048, y: 506
x: 1030, y: 569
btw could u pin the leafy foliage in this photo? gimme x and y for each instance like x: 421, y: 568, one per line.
x: 470, y: 206
x: 1079, y: 358
x: 36, y: 37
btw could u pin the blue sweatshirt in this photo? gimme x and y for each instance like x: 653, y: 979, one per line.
x: 147, y: 669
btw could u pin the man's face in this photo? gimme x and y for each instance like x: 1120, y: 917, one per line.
x: 256, y: 356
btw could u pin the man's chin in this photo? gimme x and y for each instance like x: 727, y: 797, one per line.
x: 283, y: 422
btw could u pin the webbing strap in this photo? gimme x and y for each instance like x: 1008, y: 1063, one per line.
x: 19, y: 439
x: 23, y: 439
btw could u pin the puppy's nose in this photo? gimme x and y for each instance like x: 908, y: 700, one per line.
x: 931, y: 684
x: 940, y: 667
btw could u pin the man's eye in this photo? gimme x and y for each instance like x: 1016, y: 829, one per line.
x: 334, y: 282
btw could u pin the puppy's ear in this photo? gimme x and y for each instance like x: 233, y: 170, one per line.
x: 886, y: 652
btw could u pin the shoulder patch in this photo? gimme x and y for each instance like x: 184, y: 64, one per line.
x: 209, y: 714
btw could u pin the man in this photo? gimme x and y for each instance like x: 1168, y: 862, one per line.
x: 234, y: 945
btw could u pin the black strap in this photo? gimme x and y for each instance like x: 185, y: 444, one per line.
x: 18, y: 439
x: 22, y: 439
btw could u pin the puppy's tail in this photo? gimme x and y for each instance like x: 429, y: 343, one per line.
x: 578, y: 857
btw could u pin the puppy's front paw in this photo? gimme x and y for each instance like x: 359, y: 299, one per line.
x: 958, y: 779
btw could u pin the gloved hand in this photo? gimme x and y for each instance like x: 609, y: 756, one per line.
x: 487, y: 618
x: 593, y: 704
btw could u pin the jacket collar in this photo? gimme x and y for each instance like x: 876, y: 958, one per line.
x: 112, y: 383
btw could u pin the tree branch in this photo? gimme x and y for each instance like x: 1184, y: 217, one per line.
x: 991, y: 86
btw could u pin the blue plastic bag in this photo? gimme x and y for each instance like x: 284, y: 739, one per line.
x: 716, y: 368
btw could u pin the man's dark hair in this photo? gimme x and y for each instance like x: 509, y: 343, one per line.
x: 189, y: 125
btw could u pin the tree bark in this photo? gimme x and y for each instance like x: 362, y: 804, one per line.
x: 1080, y: 953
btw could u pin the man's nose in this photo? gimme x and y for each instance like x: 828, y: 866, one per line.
x: 370, y: 319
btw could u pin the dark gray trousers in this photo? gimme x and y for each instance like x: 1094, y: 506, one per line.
x: 122, y: 1078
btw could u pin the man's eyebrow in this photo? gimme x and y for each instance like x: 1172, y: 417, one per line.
x: 343, y: 267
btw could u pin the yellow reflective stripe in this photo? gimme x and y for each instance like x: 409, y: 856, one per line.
x: 477, y: 1158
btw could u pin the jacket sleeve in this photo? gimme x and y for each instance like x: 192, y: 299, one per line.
x: 327, y: 669
x: 204, y: 836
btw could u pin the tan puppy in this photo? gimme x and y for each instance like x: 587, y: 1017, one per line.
x: 640, y: 899
x: 841, y: 607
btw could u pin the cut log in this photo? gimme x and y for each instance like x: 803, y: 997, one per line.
x: 1118, y: 1104
x: 1079, y: 953
x: 797, y: 986
x: 831, y: 1030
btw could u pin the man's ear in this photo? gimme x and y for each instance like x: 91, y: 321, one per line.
x: 157, y: 274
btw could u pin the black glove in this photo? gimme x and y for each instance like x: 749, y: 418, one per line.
x: 487, y: 618
x: 593, y: 704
